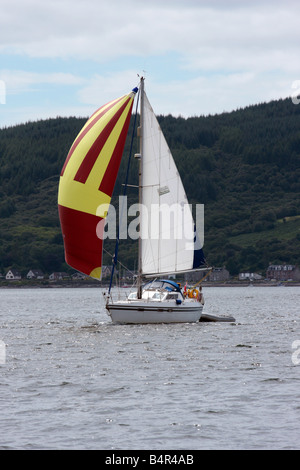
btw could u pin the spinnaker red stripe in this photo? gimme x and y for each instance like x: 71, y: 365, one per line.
x: 86, y: 130
x: 83, y: 248
x: 110, y: 175
x: 93, y: 153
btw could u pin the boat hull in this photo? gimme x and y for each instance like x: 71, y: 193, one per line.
x: 151, y: 312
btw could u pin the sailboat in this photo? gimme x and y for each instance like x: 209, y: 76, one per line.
x: 168, y: 242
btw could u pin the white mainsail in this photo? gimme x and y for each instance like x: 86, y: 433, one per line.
x: 166, y: 223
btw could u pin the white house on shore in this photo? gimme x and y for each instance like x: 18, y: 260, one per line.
x: 35, y: 274
x: 13, y: 275
x: 250, y: 277
x: 79, y: 276
x: 58, y: 276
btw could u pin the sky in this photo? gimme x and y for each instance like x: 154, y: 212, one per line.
x: 199, y: 57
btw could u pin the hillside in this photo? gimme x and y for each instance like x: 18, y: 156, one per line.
x: 244, y: 166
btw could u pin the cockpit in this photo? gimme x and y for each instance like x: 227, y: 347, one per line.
x: 159, y: 290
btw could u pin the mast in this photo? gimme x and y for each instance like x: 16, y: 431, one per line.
x: 140, y: 155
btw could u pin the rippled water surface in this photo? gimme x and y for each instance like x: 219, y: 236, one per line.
x: 73, y: 380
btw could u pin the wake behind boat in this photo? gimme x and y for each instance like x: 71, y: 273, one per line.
x: 168, y: 243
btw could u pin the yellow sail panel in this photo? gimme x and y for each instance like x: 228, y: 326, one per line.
x: 93, y: 119
x: 87, y: 181
x: 87, y: 136
x: 81, y: 177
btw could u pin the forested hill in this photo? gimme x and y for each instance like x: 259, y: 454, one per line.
x: 244, y: 166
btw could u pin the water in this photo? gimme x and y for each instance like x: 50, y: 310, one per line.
x: 73, y: 380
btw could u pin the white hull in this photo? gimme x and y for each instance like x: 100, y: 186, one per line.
x: 154, y: 312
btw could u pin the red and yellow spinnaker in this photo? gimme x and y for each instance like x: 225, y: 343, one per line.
x: 87, y: 181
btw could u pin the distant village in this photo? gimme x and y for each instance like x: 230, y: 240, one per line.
x: 275, y: 273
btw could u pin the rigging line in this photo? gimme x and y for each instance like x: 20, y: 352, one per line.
x: 201, y: 280
x: 115, y: 257
x: 119, y: 262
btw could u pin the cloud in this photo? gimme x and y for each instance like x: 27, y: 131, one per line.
x: 200, y: 95
x: 257, y: 35
x: 19, y: 81
x: 214, y: 95
x: 103, y: 87
x: 201, y: 56
x: 200, y: 30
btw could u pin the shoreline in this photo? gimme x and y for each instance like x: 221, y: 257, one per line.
x: 46, y: 284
